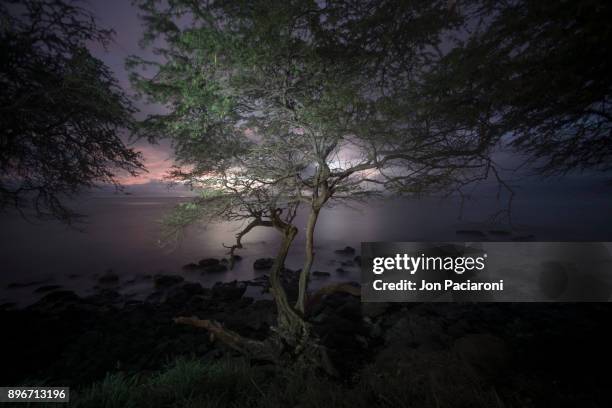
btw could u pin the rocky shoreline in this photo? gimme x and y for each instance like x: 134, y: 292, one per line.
x: 66, y: 339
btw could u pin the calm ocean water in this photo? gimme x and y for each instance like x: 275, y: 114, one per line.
x: 122, y: 234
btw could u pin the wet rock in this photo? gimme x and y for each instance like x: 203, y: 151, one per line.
x: 347, y: 250
x: 182, y: 295
x: 47, y: 288
x: 320, y: 274
x: 191, y: 267
x: 155, y: 297
x: 18, y: 285
x: 501, y: 233
x: 471, y: 233
x: 209, y: 262
x: 105, y: 297
x: 56, y: 301
x: 193, y: 288
x: 215, y: 268
x: 109, y: 277
x: 228, y: 291
x: 165, y: 281
x: 263, y: 263
x: 62, y: 295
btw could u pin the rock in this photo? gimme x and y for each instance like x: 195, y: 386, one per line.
x: 215, y: 268
x: 193, y: 288
x: 500, y: 233
x: 471, y: 233
x: 208, y: 262
x: 17, y: 285
x: 347, y: 250
x: 191, y: 267
x: 155, y: 297
x: 486, y: 354
x: 320, y: 274
x: 263, y: 263
x: 229, y: 291
x: 105, y: 297
x: 47, y: 288
x: 181, y: 295
x: 61, y: 295
x: 165, y: 281
x: 109, y: 277
x: 56, y: 301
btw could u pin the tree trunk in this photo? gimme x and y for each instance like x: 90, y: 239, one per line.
x: 305, y: 273
x: 292, y: 327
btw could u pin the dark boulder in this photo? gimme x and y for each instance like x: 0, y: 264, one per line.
x: 215, y: 268
x: 345, y: 251
x: 321, y: 274
x: 165, y: 281
x: 47, y: 288
x: 471, y: 233
x: 208, y: 262
x: 109, y: 277
x: 191, y: 267
x: 263, y: 263
x: 192, y: 288
x: 56, y: 301
x: 228, y: 291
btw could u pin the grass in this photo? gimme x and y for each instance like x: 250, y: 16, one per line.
x: 234, y: 383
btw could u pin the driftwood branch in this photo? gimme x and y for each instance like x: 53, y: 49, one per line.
x: 251, y: 348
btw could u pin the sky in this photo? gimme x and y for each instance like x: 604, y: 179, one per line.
x: 122, y: 17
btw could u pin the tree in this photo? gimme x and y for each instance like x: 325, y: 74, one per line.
x: 61, y: 110
x: 275, y: 105
x: 533, y: 76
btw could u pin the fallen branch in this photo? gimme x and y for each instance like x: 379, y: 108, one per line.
x: 252, y: 348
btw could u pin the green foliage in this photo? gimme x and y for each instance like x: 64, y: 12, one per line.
x: 61, y: 110
x: 233, y: 383
x: 288, y: 102
x: 533, y: 75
